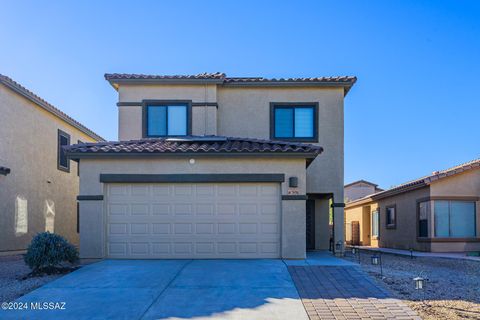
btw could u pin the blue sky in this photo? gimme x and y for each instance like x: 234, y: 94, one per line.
x: 414, y: 109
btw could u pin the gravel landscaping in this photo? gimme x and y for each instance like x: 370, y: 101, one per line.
x: 452, y: 290
x: 13, y: 281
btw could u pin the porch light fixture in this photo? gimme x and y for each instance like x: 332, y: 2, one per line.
x: 354, y: 250
x: 191, y: 161
x: 377, y: 260
x: 420, y: 282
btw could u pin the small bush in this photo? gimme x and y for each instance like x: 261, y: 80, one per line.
x: 48, y: 251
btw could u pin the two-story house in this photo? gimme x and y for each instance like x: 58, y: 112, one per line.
x: 38, y: 184
x: 210, y: 166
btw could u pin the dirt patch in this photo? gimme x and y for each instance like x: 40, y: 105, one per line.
x: 16, y: 279
x: 452, y: 290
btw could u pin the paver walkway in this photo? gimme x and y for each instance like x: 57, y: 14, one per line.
x: 345, y: 292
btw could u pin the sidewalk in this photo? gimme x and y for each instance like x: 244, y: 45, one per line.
x: 447, y: 255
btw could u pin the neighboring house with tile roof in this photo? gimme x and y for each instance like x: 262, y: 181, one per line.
x: 38, y: 184
x: 210, y: 166
x: 439, y: 213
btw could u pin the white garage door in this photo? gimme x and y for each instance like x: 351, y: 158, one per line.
x: 193, y: 220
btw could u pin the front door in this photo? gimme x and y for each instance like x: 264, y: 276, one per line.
x: 310, y: 223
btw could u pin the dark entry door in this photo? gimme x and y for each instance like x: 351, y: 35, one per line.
x: 310, y: 219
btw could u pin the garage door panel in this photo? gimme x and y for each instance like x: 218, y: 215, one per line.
x: 193, y: 220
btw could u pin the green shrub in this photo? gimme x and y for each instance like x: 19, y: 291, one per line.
x: 48, y: 251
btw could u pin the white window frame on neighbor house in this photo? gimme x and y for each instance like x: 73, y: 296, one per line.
x: 375, y: 223
x: 432, y: 221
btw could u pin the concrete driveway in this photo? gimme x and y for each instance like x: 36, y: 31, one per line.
x: 169, y: 289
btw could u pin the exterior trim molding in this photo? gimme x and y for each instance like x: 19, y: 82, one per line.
x: 90, y: 197
x: 80, y: 155
x: 338, y: 205
x: 140, y: 103
x: 295, y: 197
x: 176, y: 178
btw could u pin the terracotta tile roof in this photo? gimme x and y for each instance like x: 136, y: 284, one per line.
x: 129, y: 76
x: 18, y: 88
x: 194, y: 144
x: 221, y: 78
x: 420, y: 182
x: 4, y: 170
x: 345, y: 79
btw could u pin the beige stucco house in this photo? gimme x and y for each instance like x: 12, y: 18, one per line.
x: 38, y: 184
x: 210, y: 166
x: 439, y: 213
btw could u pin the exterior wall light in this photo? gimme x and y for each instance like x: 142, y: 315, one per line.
x: 191, y: 161
x: 354, y: 250
x: 293, y: 182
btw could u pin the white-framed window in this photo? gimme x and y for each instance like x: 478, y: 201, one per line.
x: 454, y: 219
x: 447, y: 219
x: 375, y: 223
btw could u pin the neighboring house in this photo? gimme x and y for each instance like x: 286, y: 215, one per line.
x: 438, y: 213
x: 38, y: 184
x: 211, y: 166
x: 359, y: 189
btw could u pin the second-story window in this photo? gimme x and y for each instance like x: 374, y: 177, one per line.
x: 294, y: 122
x: 163, y: 120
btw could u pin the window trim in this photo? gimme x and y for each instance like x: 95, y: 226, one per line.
x: 392, y: 225
x: 61, y: 133
x: 78, y: 163
x: 419, y: 201
x: 442, y: 239
x: 377, y: 236
x: 146, y: 103
x: 285, y: 105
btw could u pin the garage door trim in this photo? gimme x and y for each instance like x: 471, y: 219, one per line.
x: 192, y: 178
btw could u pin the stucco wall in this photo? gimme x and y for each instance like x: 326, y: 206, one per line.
x: 28, y: 146
x: 204, y: 119
x: 92, y: 212
x: 363, y: 214
x: 404, y: 236
x: 245, y: 112
x: 464, y: 186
